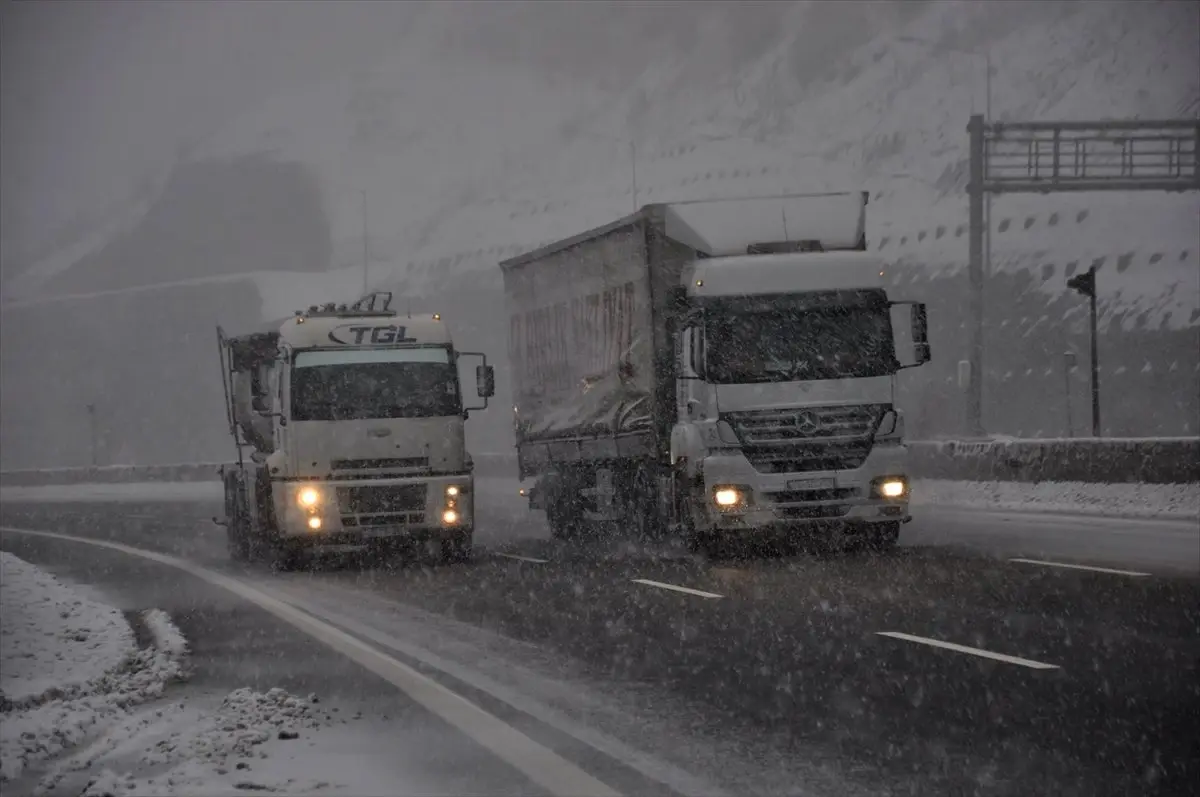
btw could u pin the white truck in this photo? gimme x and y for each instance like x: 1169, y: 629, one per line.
x: 720, y: 370
x: 353, y: 420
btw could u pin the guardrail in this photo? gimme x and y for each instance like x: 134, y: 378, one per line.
x: 1173, y: 460
x: 487, y: 465
x: 1169, y: 460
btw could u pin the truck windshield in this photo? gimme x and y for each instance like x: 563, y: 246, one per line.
x: 381, y: 383
x: 828, y: 342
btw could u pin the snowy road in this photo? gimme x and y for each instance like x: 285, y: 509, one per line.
x: 935, y: 670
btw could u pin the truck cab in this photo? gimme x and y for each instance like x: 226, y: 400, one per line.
x: 721, y: 370
x: 786, y: 411
x: 355, y: 423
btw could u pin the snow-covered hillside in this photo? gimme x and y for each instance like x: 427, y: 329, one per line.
x: 469, y: 149
x: 466, y: 160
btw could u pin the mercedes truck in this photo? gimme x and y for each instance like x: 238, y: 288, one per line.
x: 722, y: 370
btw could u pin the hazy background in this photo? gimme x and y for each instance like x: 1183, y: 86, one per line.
x: 168, y: 166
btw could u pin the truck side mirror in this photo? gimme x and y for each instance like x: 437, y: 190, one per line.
x: 920, y: 334
x: 259, y: 403
x: 485, y: 381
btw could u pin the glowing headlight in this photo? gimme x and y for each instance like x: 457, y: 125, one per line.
x: 893, y: 488
x: 449, y: 517
x: 314, y: 523
x: 727, y: 496
x: 452, y: 490
x: 308, y: 497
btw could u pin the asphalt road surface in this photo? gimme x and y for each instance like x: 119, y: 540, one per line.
x: 970, y: 661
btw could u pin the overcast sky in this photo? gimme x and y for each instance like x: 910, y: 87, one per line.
x: 94, y: 94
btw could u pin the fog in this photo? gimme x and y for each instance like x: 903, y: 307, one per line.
x: 165, y: 167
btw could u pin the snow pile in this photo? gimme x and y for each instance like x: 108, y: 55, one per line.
x: 180, y: 749
x: 70, y: 666
x: 1180, y: 501
x: 53, y: 639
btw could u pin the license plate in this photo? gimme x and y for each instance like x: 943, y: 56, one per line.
x: 812, y: 484
x: 376, y: 532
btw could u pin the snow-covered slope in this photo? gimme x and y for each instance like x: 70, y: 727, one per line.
x: 888, y: 112
x: 465, y: 159
x: 469, y: 148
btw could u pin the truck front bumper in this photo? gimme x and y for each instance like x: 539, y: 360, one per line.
x: 366, y: 510
x: 740, y: 497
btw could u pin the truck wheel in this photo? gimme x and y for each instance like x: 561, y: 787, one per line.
x: 237, y: 540
x: 882, y: 537
x: 286, y: 557
x: 457, y: 548
x: 561, y: 528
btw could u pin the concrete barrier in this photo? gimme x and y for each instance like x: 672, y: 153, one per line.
x: 1097, y: 460
x: 486, y: 465
x: 1173, y: 460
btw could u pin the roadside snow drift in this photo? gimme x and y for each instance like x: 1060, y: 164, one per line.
x: 70, y: 666
x: 1166, y: 501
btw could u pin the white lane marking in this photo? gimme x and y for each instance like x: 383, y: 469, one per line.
x: 540, y: 764
x: 686, y: 590
x: 521, y: 558
x: 679, y: 781
x: 986, y: 654
x: 1045, y: 563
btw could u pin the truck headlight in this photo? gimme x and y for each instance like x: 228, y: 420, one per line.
x: 891, y: 487
x: 449, y: 517
x: 730, y: 496
x: 452, y: 491
x: 308, y: 497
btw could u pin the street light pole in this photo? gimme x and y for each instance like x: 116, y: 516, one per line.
x: 633, y: 171
x: 987, y: 206
x: 91, y: 409
x: 366, y: 255
x: 1085, y: 284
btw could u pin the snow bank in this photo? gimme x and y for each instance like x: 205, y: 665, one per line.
x: 69, y: 666
x: 1122, y: 500
x: 53, y: 639
x: 250, y: 741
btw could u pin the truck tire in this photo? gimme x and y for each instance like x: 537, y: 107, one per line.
x: 237, y: 540
x: 457, y: 548
x: 285, y: 557
x: 882, y: 537
x: 561, y: 527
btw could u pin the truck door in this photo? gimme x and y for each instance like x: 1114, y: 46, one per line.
x: 282, y: 374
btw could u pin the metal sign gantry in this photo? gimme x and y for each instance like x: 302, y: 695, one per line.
x: 1053, y: 157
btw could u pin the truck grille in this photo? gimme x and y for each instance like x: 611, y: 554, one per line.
x: 393, y: 466
x: 807, y: 439
x: 378, y: 500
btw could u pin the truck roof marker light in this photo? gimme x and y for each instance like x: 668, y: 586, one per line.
x: 437, y: 316
x: 699, y: 283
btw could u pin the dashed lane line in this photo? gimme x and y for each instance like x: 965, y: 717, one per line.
x: 1111, y: 571
x: 675, y: 588
x: 985, y: 654
x: 541, y: 765
x: 521, y: 558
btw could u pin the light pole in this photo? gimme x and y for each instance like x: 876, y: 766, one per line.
x: 366, y: 250
x: 632, y: 159
x: 1069, y: 360
x: 91, y: 410
x: 981, y: 218
x: 1085, y: 284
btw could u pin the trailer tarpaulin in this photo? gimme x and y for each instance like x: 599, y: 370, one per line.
x: 579, y: 339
